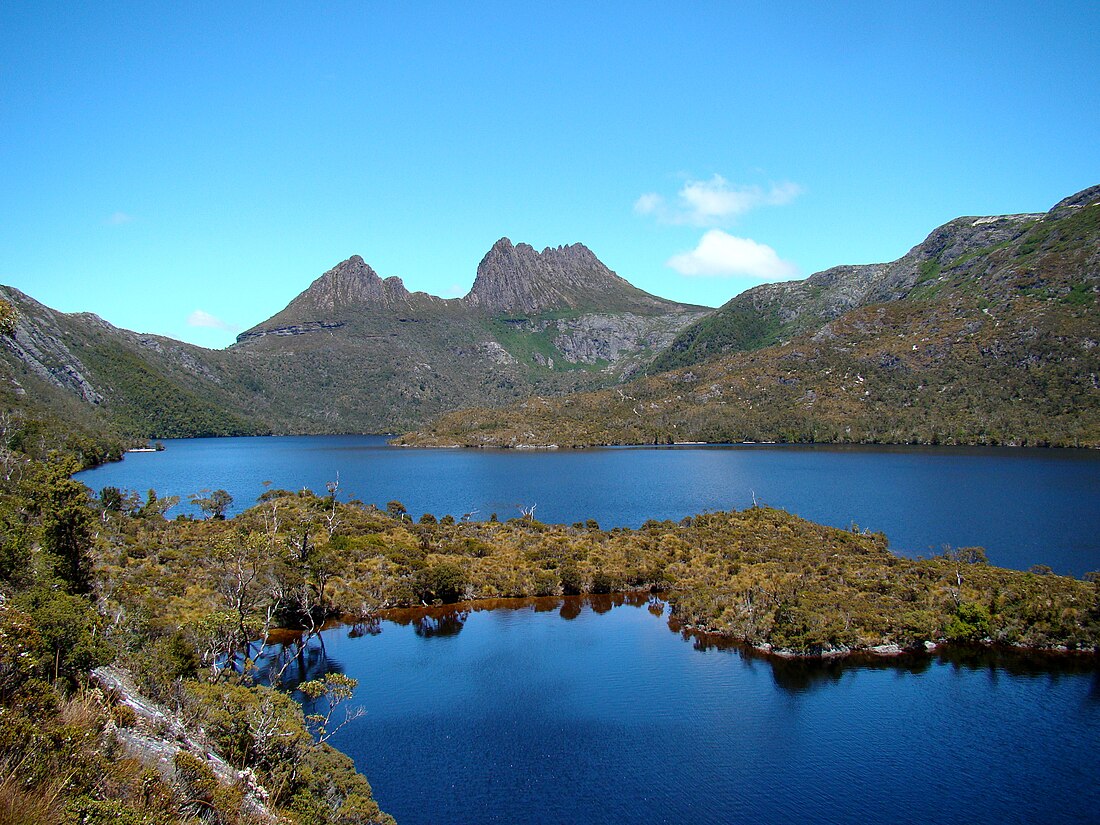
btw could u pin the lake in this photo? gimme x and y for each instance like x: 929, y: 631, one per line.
x: 1025, y: 506
x: 591, y: 710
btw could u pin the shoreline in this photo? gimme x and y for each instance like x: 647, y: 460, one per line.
x: 883, y: 653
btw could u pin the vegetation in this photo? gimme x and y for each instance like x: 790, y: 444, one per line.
x: 735, y: 327
x: 994, y: 347
x: 70, y: 750
x: 182, y: 607
x: 761, y: 576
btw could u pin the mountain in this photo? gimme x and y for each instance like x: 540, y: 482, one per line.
x: 356, y: 352
x: 76, y: 380
x: 352, y: 353
x: 517, y: 280
x: 987, y: 332
x: 772, y: 313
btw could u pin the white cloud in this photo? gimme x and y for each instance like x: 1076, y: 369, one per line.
x: 119, y: 218
x: 199, y: 318
x: 454, y: 291
x: 714, y: 202
x: 723, y: 255
x: 649, y: 203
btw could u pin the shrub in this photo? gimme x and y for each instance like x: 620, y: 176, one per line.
x: 970, y: 623
x: 445, y: 581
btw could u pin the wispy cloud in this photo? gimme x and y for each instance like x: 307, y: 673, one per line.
x: 119, y: 219
x: 649, y: 204
x: 720, y: 254
x: 454, y: 291
x: 200, y: 318
x: 714, y: 202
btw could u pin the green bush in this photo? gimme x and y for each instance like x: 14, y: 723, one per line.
x: 445, y: 581
x: 970, y: 623
x: 72, y: 638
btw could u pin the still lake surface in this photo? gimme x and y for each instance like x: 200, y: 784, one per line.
x: 580, y: 711
x: 574, y: 710
x: 1024, y: 506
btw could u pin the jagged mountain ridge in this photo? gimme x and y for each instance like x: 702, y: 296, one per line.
x: 357, y: 351
x: 518, y: 280
x: 986, y: 332
x: 511, y: 280
x: 353, y: 352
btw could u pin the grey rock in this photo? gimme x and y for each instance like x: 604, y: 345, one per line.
x: 517, y: 279
x: 290, y: 329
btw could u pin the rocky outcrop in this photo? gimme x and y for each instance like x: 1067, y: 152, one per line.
x: 159, y: 735
x: 351, y: 283
x: 351, y: 291
x: 518, y: 280
x: 38, y: 343
x: 291, y: 329
x: 591, y: 339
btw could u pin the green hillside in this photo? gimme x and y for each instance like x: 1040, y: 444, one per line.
x: 984, y: 334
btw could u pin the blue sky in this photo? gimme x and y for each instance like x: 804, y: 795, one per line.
x: 187, y: 169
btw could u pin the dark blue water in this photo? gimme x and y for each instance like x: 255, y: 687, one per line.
x: 520, y: 715
x: 1025, y: 506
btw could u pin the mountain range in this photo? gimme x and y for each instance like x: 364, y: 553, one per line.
x: 352, y: 353
x: 985, y: 332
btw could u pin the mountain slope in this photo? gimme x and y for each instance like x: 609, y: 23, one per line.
x: 352, y: 353
x: 771, y: 313
x: 147, y: 385
x: 987, y: 332
x: 357, y: 352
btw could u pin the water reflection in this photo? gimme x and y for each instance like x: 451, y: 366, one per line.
x: 801, y: 675
x: 292, y: 657
x: 791, y: 675
x: 617, y: 704
x: 450, y: 624
x: 364, y: 627
x: 571, y: 608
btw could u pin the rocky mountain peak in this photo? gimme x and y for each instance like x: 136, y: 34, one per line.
x: 350, y: 284
x: 350, y: 288
x: 518, y: 279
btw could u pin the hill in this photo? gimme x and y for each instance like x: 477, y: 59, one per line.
x: 75, y: 381
x: 985, y: 333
